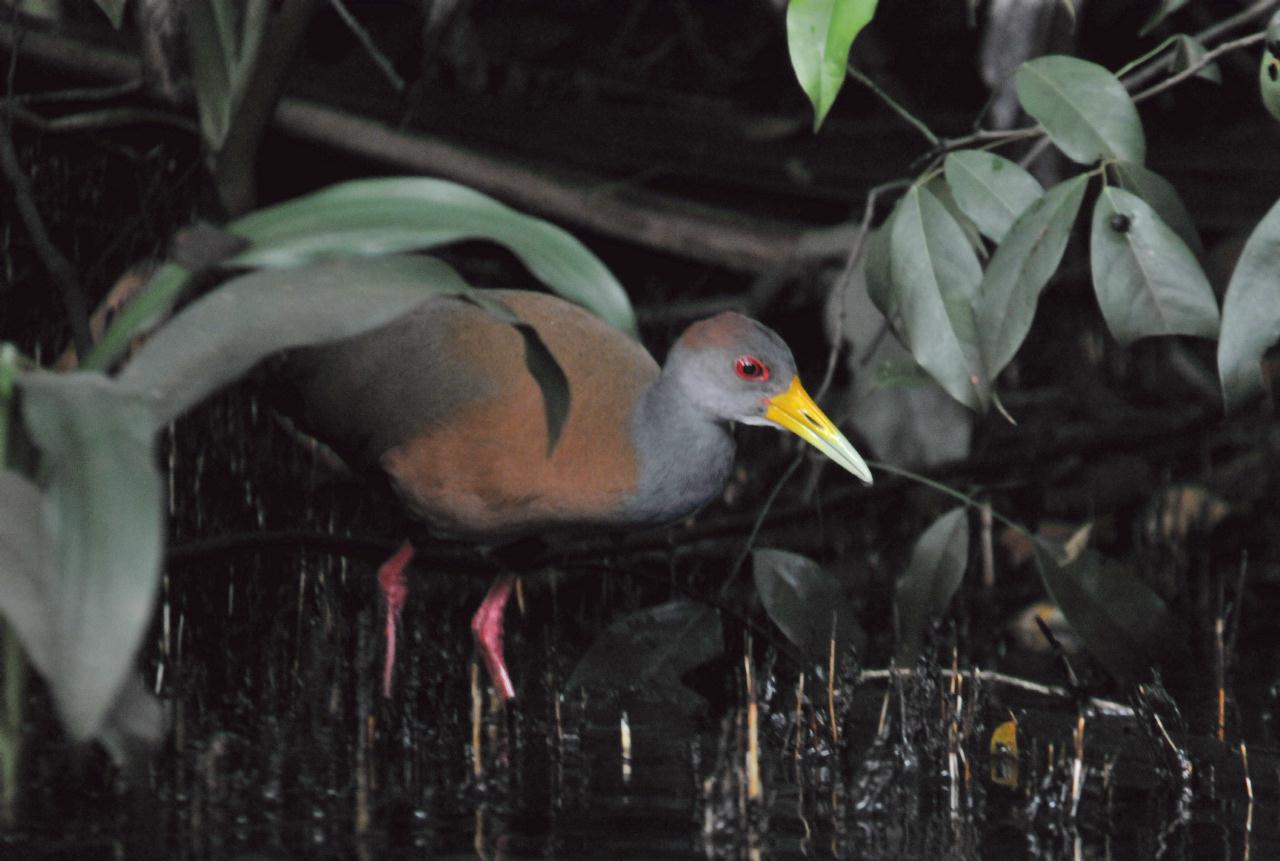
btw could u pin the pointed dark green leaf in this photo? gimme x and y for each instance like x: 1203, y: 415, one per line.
x: 1085, y: 109
x: 1147, y: 281
x: 647, y: 652
x: 804, y: 601
x: 1188, y: 52
x: 992, y: 190
x: 819, y: 35
x: 1021, y: 267
x: 937, y: 566
x: 938, y: 188
x: 224, y: 334
x: 1121, y: 620
x: 396, y: 214
x: 1164, y: 10
x: 103, y: 516
x: 935, y: 276
x: 879, y: 276
x: 1162, y: 197
x: 1251, y: 313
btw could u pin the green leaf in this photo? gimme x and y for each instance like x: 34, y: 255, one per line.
x: 938, y: 188
x: 804, y: 601
x: 935, y: 276
x: 1085, y: 109
x: 211, y: 52
x: 1147, y: 281
x: 1021, y: 267
x: 23, y: 572
x: 819, y: 35
x: 1251, y: 312
x: 1162, y: 197
x: 879, y: 274
x: 103, y: 516
x: 395, y: 214
x: 114, y: 10
x: 224, y: 334
x: 1121, y: 620
x: 646, y: 652
x: 1188, y: 52
x: 937, y: 566
x: 146, y: 310
x: 1164, y: 10
x: 991, y: 190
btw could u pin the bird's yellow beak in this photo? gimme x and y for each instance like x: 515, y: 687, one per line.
x: 796, y: 411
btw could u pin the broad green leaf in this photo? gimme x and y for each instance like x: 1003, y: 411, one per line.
x: 1251, y: 312
x: 819, y: 35
x: 395, y: 214
x: 23, y: 572
x: 1121, y: 620
x: 1162, y: 197
x: 804, y: 601
x: 646, y: 652
x: 224, y: 334
x: 114, y: 10
x: 1021, y: 267
x: 1188, y: 52
x: 935, y: 277
x: 103, y: 515
x: 1164, y: 10
x: 1147, y: 281
x: 937, y: 566
x: 992, y: 190
x: 938, y: 188
x: 211, y: 52
x: 1085, y: 109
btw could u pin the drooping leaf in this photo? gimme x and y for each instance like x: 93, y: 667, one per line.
x: 1085, y: 109
x: 542, y: 365
x: 1121, y: 620
x: 935, y: 276
x: 1021, y: 267
x: 1162, y: 197
x: 396, y: 214
x: 992, y: 190
x: 103, y: 515
x: 804, y: 601
x: 1251, y: 312
x: 938, y: 188
x: 1147, y: 281
x: 646, y: 652
x: 1164, y: 10
x: 144, y: 311
x: 819, y: 35
x: 879, y: 275
x: 937, y: 566
x: 23, y: 571
x: 224, y: 334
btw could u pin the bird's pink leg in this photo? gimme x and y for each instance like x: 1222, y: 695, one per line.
x: 486, y: 627
x: 394, y: 590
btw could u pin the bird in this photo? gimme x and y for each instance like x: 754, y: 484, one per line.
x: 442, y: 405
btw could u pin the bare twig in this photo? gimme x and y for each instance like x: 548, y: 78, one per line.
x: 366, y: 42
x: 915, y: 122
x: 1209, y: 57
x: 60, y: 269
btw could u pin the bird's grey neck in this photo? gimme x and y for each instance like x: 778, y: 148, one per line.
x: 685, y: 455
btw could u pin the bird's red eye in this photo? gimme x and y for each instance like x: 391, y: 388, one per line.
x: 751, y: 368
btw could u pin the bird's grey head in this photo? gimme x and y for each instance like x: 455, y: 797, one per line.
x: 729, y: 366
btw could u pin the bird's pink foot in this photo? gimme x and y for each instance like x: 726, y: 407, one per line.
x: 391, y: 581
x: 486, y: 627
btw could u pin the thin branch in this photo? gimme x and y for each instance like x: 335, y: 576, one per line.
x: 898, y: 109
x: 1209, y: 57
x: 60, y: 269
x: 366, y: 42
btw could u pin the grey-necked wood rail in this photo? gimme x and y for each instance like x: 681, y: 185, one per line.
x: 443, y: 403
